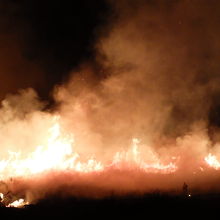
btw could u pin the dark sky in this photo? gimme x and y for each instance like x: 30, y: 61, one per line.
x: 41, y: 41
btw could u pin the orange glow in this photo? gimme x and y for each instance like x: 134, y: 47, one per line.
x: 212, y: 161
x: 56, y: 153
x: 1, y: 196
x: 133, y: 157
x: 18, y: 203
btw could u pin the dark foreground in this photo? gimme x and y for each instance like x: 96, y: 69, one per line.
x: 145, y: 207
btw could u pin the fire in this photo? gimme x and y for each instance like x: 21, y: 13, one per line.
x: 56, y: 153
x: 9, y: 201
x: 1, y: 196
x: 133, y: 156
x: 18, y: 203
x: 212, y: 161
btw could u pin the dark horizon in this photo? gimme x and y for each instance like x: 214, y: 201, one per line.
x: 42, y: 42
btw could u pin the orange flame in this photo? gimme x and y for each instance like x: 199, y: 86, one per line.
x: 212, y: 161
x: 18, y: 203
x: 57, y: 153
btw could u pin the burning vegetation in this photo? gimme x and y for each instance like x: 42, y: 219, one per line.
x: 139, y: 122
x: 52, y: 161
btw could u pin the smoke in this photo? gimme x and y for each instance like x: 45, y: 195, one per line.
x: 159, y: 63
x: 157, y: 80
x: 164, y: 61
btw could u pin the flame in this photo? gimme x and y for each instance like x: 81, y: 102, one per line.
x: 18, y: 203
x: 57, y: 153
x: 212, y: 161
x: 134, y: 157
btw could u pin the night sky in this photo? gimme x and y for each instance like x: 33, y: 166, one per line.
x: 41, y: 41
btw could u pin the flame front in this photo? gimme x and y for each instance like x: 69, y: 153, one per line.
x: 212, y: 161
x: 57, y: 154
x: 18, y: 203
x: 133, y: 157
